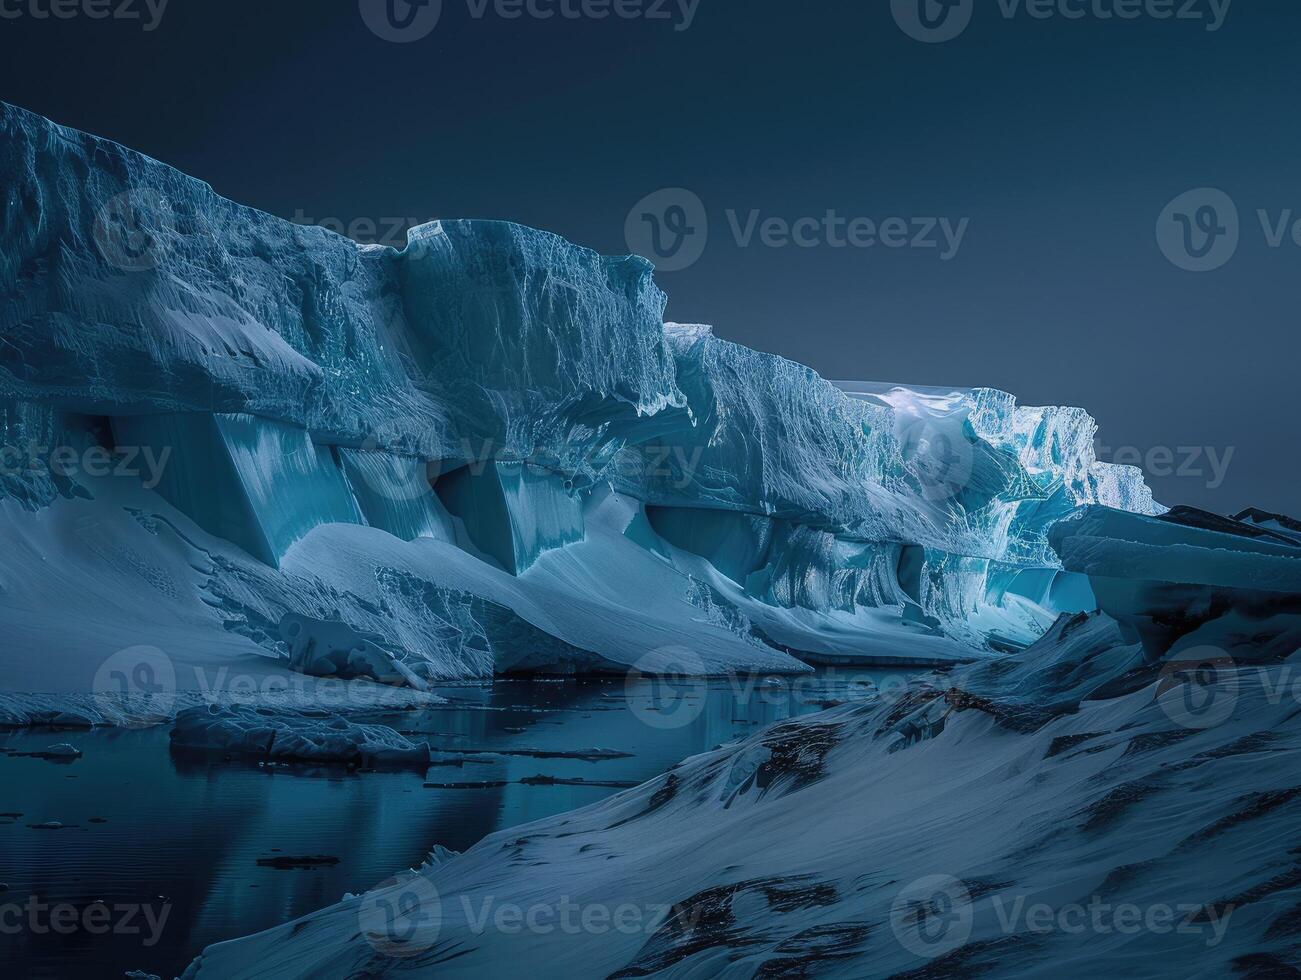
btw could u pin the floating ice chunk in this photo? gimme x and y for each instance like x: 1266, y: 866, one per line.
x: 1168, y: 577
x: 264, y: 733
x: 1106, y: 543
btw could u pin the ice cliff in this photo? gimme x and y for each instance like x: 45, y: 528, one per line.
x: 483, y: 452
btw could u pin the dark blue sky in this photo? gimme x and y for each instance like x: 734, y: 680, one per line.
x: 1060, y: 140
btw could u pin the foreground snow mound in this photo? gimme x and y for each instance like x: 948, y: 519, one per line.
x: 1079, y: 807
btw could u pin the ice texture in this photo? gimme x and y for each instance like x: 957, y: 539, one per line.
x: 482, y: 452
x: 233, y: 474
x: 512, y: 512
x: 1174, y: 579
x: 393, y: 494
x: 331, y: 649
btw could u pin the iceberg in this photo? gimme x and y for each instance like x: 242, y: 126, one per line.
x: 479, y: 452
x: 276, y: 736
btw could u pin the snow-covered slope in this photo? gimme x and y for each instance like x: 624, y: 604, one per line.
x: 1079, y: 809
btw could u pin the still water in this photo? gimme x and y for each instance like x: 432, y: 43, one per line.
x: 171, y: 844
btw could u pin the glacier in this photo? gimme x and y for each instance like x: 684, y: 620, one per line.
x: 480, y: 451
x: 260, y: 483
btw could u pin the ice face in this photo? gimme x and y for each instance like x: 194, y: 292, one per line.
x: 493, y: 399
x: 233, y: 476
x: 393, y: 494
x: 512, y: 512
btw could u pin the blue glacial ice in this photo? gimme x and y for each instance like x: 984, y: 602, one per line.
x: 483, y: 452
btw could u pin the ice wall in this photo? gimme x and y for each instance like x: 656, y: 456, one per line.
x: 512, y: 512
x: 395, y: 494
x: 128, y: 287
x: 258, y: 483
x: 1165, y: 578
x: 478, y: 387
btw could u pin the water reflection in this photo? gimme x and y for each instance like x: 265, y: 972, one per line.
x: 181, y: 835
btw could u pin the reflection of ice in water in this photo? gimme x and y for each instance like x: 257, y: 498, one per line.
x: 193, y: 830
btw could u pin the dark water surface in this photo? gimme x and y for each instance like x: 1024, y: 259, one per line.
x: 173, y: 842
